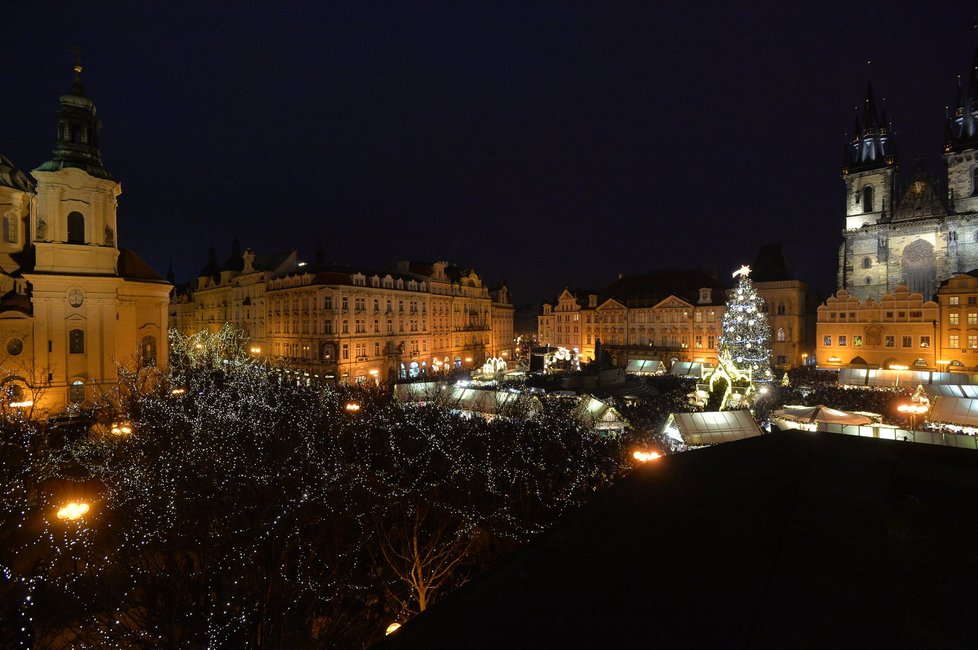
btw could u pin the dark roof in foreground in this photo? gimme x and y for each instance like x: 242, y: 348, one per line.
x: 792, y: 539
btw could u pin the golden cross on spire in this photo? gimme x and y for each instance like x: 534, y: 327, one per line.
x: 76, y: 53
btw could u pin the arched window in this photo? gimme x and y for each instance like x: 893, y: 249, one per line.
x: 76, y: 392
x: 76, y: 342
x: 327, y: 352
x: 868, y: 280
x: 76, y: 228
x: 148, y: 351
x: 868, y: 198
x: 781, y: 309
x: 780, y: 334
x: 867, y: 263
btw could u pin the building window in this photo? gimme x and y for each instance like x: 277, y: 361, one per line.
x: 973, y: 341
x: 868, y: 198
x: 9, y: 230
x: 973, y: 300
x: 711, y: 342
x: 973, y: 318
x: 953, y: 300
x: 76, y: 342
x: 346, y: 351
x: 781, y: 309
x: 908, y: 341
x: 148, y: 351
x: 889, y: 341
x: 953, y: 341
x: 76, y: 392
x: 328, y: 302
x: 698, y: 341
x: 867, y: 263
x: 925, y: 341
x: 780, y: 334
x: 857, y: 341
x: 954, y: 319
x: 842, y: 341
x: 868, y: 280
x: 76, y: 228
x: 827, y: 341
x: 781, y: 360
x: 345, y: 303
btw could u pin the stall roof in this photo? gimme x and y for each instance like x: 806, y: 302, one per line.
x: 715, y: 427
x: 689, y: 369
x: 643, y: 366
x: 820, y: 413
x: 955, y: 410
x: 953, y: 390
x: 877, y: 377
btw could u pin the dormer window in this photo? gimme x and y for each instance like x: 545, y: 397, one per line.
x: 706, y: 294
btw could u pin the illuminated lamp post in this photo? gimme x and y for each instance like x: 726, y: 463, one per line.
x: 73, y: 511
x: 913, y: 410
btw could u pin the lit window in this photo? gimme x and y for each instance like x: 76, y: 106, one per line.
x: 954, y: 300
x: 925, y: 341
x: 842, y: 341
x: 972, y: 318
x: 827, y: 341
x: 889, y: 341
x: 857, y: 341
x: 954, y: 319
x: 953, y: 341
x: 780, y: 334
x: 908, y: 341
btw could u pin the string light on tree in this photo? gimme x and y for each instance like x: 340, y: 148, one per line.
x: 745, y: 333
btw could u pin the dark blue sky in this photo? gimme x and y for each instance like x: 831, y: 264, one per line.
x: 545, y: 143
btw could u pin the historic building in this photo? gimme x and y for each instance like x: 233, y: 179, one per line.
x: 349, y: 324
x: 663, y: 315
x: 920, y: 233
x: 958, y: 300
x: 901, y: 329
x: 675, y: 315
x: 72, y: 303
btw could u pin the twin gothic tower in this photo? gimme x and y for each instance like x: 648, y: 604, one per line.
x: 924, y: 233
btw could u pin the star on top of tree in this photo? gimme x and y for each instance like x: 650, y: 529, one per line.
x: 744, y: 270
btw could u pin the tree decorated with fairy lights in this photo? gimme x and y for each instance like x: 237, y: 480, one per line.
x: 745, y: 333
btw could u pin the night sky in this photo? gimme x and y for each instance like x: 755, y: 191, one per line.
x: 547, y: 144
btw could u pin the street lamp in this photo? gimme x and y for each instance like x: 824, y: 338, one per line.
x: 73, y: 510
x: 913, y: 410
x: 645, y: 456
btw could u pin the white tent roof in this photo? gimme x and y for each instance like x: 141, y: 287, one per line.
x: 715, y: 427
x: 953, y: 390
x: 955, y: 410
x: 820, y: 413
x: 877, y: 377
x: 643, y: 366
x: 689, y: 369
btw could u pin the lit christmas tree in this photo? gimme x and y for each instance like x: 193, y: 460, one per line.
x: 746, y: 334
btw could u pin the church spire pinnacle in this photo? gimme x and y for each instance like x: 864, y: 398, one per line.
x: 77, y: 141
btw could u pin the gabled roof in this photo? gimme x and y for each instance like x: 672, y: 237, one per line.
x: 132, y: 267
x: 649, y: 289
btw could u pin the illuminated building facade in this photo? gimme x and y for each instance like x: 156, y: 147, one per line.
x: 664, y: 315
x: 899, y: 330
x: 920, y: 235
x: 72, y: 303
x: 348, y: 324
x: 958, y: 300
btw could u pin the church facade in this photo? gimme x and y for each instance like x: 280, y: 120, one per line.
x: 918, y: 233
x: 73, y: 304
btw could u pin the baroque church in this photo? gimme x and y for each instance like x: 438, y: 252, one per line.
x: 73, y: 304
x: 920, y: 234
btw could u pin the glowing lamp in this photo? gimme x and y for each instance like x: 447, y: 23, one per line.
x: 646, y: 456
x: 255, y: 349
x: 121, y: 429
x: 22, y: 405
x: 73, y: 510
x: 352, y: 407
x: 178, y: 391
x: 468, y: 359
x: 375, y: 372
x: 393, y: 627
x: 894, y: 366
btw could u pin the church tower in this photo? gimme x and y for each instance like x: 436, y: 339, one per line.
x: 869, y: 169
x: 74, y: 227
x: 961, y: 145
x: 92, y: 305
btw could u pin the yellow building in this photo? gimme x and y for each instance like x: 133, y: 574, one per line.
x: 900, y: 330
x: 664, y: 315
x: 74, y: 304
x: 347, y: 324
x: 958, y: 299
